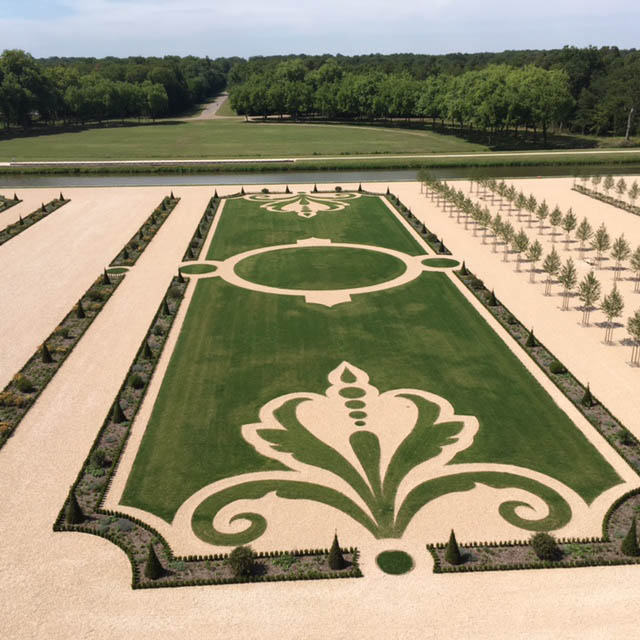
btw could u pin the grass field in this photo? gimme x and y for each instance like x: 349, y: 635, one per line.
x: 225, y: 139
x: 239, y: 349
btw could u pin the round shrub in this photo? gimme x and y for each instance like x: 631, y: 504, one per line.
x: 265, y: 190
x: 545, y: 547
x: 158, y: 330
x: 241, y: 561
x: 99, y: 458
x: 136, y: 381
x: 557, y: 367
x: 338, y: 189
x: 394, y: 562
x: 24, y: 384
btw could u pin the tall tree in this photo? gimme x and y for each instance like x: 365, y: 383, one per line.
x: 520, y: 243
x: 589, y: 294
x: 569, y: 223
x: 584, y: 233
x: 568, y: 278
x: 534, y: 253
x: 620, y: 251
x: 633, y: 328
x: 555, y: 219
x: 601, y: 242
x: 551, y: 265
x: 612, y: 306
x: 635, y: 266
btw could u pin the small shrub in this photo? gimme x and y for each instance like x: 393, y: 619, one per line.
x: 241, y: 561
x: 95, y: 295
x: 477, y: 284
x: 73, y: 512
x: 175, y: 292
x: 147, y: 354
x: 23, y: 383
x: 630, y: 543
x: 587, y: 398
x: 158, y: 330
x: 336, y: 559
x: 557, y: 367
x: 453, y: 555
x: 118, y: 414
x: 511, y: 319
x: 12, y: 399
x: 5, y: 427
x: 152, y: 568
x: 99, y: 458
x: 492, y: 301
x: 531, y: 340
x: 545, y: 547
x: 80, y: 310
x: 63, y: 332
x: 265, y: 190
x: 338, y: 189
x: 136, y: 381
x: 46, y: 354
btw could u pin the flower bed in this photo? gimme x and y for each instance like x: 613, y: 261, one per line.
x: 25, y: 387
x: 7, y: 203
x: 202, y: 230
x: 131, y: 251
x: 23, y: 224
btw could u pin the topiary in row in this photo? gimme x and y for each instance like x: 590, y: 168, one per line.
x: 130, y: 253
x: 15, y: 229
x: 202, y: 230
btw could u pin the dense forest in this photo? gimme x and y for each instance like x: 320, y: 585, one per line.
x: 588, y: 90
x: 581, y: 90
x: 90, y: 89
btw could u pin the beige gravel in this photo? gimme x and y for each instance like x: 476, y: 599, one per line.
x: 74, y: 586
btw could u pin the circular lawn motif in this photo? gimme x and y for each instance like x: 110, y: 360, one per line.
x: 394, y: 562
x: 117, y: 270
x: 440, y: 263
x: 320, y: 268
x: 198, y: 268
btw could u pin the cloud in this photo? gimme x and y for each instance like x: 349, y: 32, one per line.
x: 252, y: 27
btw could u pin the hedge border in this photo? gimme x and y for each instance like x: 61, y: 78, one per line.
x: 170, y: 203
x: 9, y: 202
x: 614, y: 202
x: 115, y: 281
x: 29, y: 220
x: 126, y: 542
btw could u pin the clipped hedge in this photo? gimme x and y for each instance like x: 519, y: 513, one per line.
x: 202, y: 230
x: 16, y: 228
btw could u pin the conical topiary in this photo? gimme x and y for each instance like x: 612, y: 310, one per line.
x: 423, y: 229
x: 165, y: 308
x: 125, y: 254
x: 315, y: 188
x: 73, y: 513
x: 46, y: 354
x: 15, y: 197
x: 531, y: 340
x: 388, y: 192
x: 336, y: 559
x: 180, y: 276
x: 198, y: 233
x: 463, y: 269
x: 215, y: 194
x: 493, y: 301
x: 147, y: 354
x: 172, y: 196
x: 287, y: 190
x: 190, y: 254
x: 630, y: 543
x: 153, y: 568
x: 21, y: 221
x: 241, y: 190
x: 141, y: 234
x: 118, y: 414
x: 61, y: 198
x: 441, y: 247
x: 587, y: 398
x: 360, y: 188
x: 453, y: 555
x: 80, y: 310
x: 43, y: 208
x: 105, y: 277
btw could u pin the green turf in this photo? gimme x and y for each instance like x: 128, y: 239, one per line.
x: 244, y: 226
x: 225, y: 110
x: 423, y: 335
x: 320, y: 268
x: 198, y: 268
x: 117, y: 270
x: 394, y: 562
x: 226, y: 139
x: 440, y: 262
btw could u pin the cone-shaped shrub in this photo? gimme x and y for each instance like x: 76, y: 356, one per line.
x: 241, y: 190
x: 442, y: 248
x: 15, y: 197
x: 152, y: 567
x: 43, y: 208
x: 287, y: 190
x: 423, y: 230
x: 73, y: 513
x: 147, y: 354
x: 80, y: 310
x: 360, y: 188
x: 190, y: 254
x: 388, y: 192
x: 463, y: 269
x: 162, y: 206
x: 336, y: 559
x: 141, y: 234
x: 118, y: 414
x: 21, y: 221
x: 452, y: 554
x: 493, y: 301
x: 180, y: 276
x: 215, y: 194
x: 630, y: 543
x: 172, y: 196
x: 587, y: 398
x: 125, y: 254
x: 315, y: 188
x: 105, y: 277
x: 61, y: 197
x: 165, y: 308
x: 198, y: 233
x: 46, y: 354
x: 531, y: 340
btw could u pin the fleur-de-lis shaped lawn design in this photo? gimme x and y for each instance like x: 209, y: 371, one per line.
x: 303, y: 204
x: 377, y: 457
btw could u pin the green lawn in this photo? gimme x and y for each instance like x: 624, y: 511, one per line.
x: 320, y: 268
x: 244, y: 226
x: 225, y: 139
x: 238, y: 349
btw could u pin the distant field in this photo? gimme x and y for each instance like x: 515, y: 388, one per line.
x: 226, y: 110
x: 226, y: 139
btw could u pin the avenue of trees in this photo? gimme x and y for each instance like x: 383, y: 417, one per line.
x: 87, y: 89
x: 586, y: 90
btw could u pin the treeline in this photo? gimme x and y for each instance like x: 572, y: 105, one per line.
x: 594, y: 91
x: 89, y: 89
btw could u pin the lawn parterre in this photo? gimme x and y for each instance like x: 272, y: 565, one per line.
x: 374, y: 407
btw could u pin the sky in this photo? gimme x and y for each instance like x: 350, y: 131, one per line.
x: 257, y: 27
